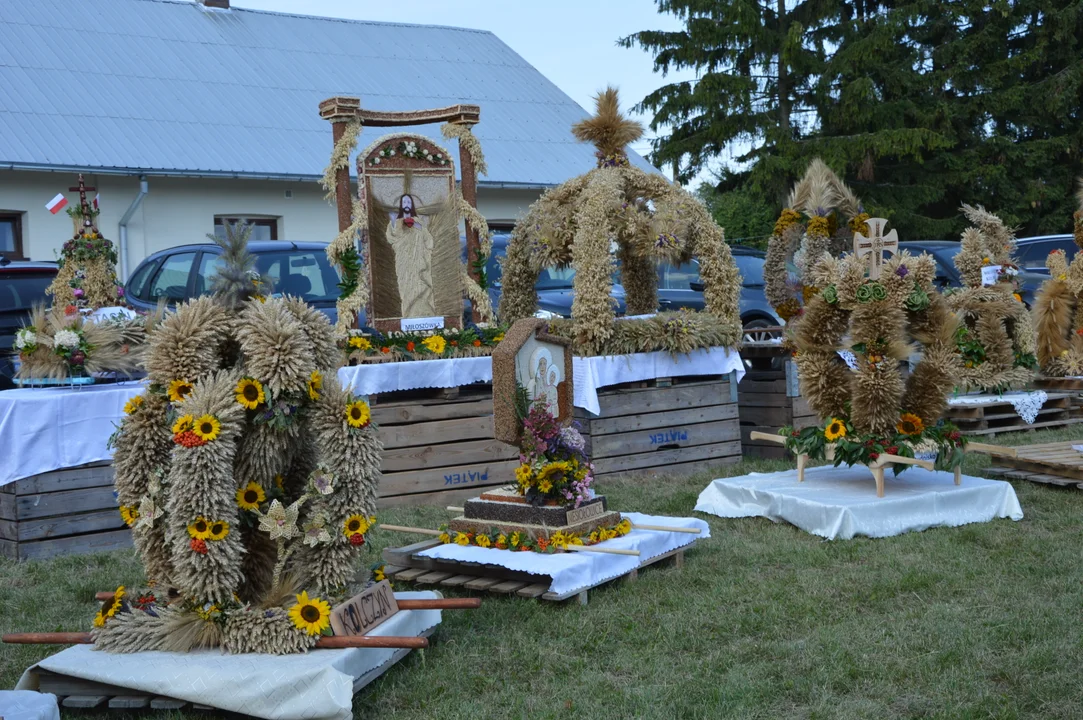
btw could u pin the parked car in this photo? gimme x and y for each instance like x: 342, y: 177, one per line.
x: 1034, y: 250
x: 22, y: 286
x: 678, y: 287
x: 944, y: 252
x: 183, y: 272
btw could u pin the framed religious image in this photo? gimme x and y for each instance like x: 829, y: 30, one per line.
x: 412, y: 242
x: 530, y: 360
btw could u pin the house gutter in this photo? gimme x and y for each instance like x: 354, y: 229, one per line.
x: 122, y: 228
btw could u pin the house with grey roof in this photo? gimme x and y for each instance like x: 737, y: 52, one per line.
x: 185, y: 114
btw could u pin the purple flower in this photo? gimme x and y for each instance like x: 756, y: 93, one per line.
x: 77, y: 292
x: 120, y: 291
x: 902, y: 271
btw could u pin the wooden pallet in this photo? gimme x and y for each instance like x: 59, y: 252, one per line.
x: 667, y: 426
x: 64, y: 512
x: 406, y: 565
x: 76, y: 693
x: 440, y: 450
x: 1073, y: 386
x: 997, y: 416
x: 768, y: 400
x: 1048, y: 463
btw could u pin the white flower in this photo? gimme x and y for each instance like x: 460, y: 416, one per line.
x: 438, y: 155
x: 279, y: 521
x: 66, y: 339
x: 391, y: 153
x: 376, y: 161
x: 24, y: 337
x: 148, y: 512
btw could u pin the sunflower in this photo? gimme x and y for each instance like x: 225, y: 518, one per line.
x: 523, y: 475
x: 132, y: 405
x: 435, y: 344
x: 207, y: 427
x: 358, y: 414
x: 315, y: 382
x: 560, y: 467
x: 199, y: 529
x: 129, y: 514
x: 462, y: 539
x: 445, y: 538
x: 360, y: 343
x: 624, y: 526
x: 515, y: 539
x: 356, y: 525
x: 218, y: 530
x: 184, y: 424
x: 179, y: 390
x: 250, y: 496
x: 545, y: 485
x: 115, y: 604
x: 311, y: 614
x: 249, y: 393
x: 835, y: 430
x: 483, y: 540
x: 910, y: 424
x: 99, y: 620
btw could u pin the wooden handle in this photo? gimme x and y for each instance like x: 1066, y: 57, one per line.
x: 770, y: 437
x: 440, y: 604
x: 887, y: 459
x: 666, y: 528
x: 611, y: 551
x: 327, y: 642
x: 992, y: 449
x: 418, y: 531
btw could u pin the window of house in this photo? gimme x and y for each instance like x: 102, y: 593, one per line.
x: 262, y: 228
x: 11, y: 236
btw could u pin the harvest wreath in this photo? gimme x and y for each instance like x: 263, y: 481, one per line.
x: 471, y: 341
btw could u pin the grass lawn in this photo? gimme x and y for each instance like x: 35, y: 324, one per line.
x: 764, y: 621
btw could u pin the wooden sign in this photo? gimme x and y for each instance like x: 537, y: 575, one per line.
x: 540, y: 363
x: 361, y: 613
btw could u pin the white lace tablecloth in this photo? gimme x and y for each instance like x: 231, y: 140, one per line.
x: 573, y: 571
x: 45, y: 429
x: 1026, y: 403
x: 317, y: 685
x: 592, y: 373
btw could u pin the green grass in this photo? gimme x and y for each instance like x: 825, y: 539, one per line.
x: 764, y: 621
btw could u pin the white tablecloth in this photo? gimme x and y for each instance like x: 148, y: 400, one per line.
x: 592, y: 373
x: 45, y: 429
x: 839, y: 503
x: 574, y: 571
x: 384, y: 377
x: 28, y: 705
x: 1026, y: 403
x: 311, y: 686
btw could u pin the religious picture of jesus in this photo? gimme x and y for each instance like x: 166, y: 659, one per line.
x: 412, y: 245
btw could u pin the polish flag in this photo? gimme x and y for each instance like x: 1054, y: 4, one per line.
x: 56, y: 204
x: 96, y: 200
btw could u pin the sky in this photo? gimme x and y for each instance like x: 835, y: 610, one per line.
x: 571, y: 42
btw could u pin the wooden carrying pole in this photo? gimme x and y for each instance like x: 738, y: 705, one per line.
x: 325, y: 643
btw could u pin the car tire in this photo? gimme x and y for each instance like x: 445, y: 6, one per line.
x: 754, y: 331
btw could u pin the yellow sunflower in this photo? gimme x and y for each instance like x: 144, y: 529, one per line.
x: 835, y: 430
x: 354, y: 525
x: 183, y: 424
x: 311, y: 614
x: 99, y: 620
x: 462, y: 539
x: 199, y: 528
x: 483, y: 540
x: 250, y: 496
x: 115, y: 605
x: 179, y: 390
x: 514, y: 539
x: 545, y: 485
x: 523, y: 475
x: 910, y: 424
x: 207, y: 427
x: 315, y: 382
x: 435, y: 344
x: 129, y: 514
x: 358, y: 413
x: 445, y: 538
x: 249, y: 393
x: 218, y: 530
x: 624, y: 526
x: 360, y: 343
x: 132, y: 405
x: 554, y: 468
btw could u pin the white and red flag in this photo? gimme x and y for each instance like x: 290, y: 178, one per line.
x: 57, y: 204
x: 96, y: 200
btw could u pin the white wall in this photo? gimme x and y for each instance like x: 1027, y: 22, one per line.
x: 182, y: 210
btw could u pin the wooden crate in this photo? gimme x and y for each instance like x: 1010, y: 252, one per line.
x: 666, y: 426
x: 1047, y: 463
x: 1072, y: 386
x: 406, y: 565
x: 439, y: 448
x: 998, y: 416
x: 65, y: 512
x: 768, y: 400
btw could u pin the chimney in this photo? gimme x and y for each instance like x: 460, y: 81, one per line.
x: 220, y: 4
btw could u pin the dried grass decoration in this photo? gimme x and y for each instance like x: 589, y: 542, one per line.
x: 1058, y: 310
x: 996, y: 336
x: 247, y: 474
x: 86, y: 277
x: 872, y: 410
x: 821, y: 215
x: 646, y: 220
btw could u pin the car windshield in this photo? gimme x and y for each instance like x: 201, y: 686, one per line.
x: 22, y: 290
x: 306, y: 274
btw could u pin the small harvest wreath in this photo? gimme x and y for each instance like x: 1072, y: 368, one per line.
x: 522, y: 542
x: 472, y: 341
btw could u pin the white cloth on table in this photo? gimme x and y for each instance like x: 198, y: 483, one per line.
x: 573, y: 571
x: 313, y: 686
x: 1026, y: 403
x: 45, y: 429
x: 28, y: 705
x: 381, y: 377
x: 839, y: 503
x: 591, y: 373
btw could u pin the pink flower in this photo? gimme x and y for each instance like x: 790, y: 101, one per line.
x: 78, y: 292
